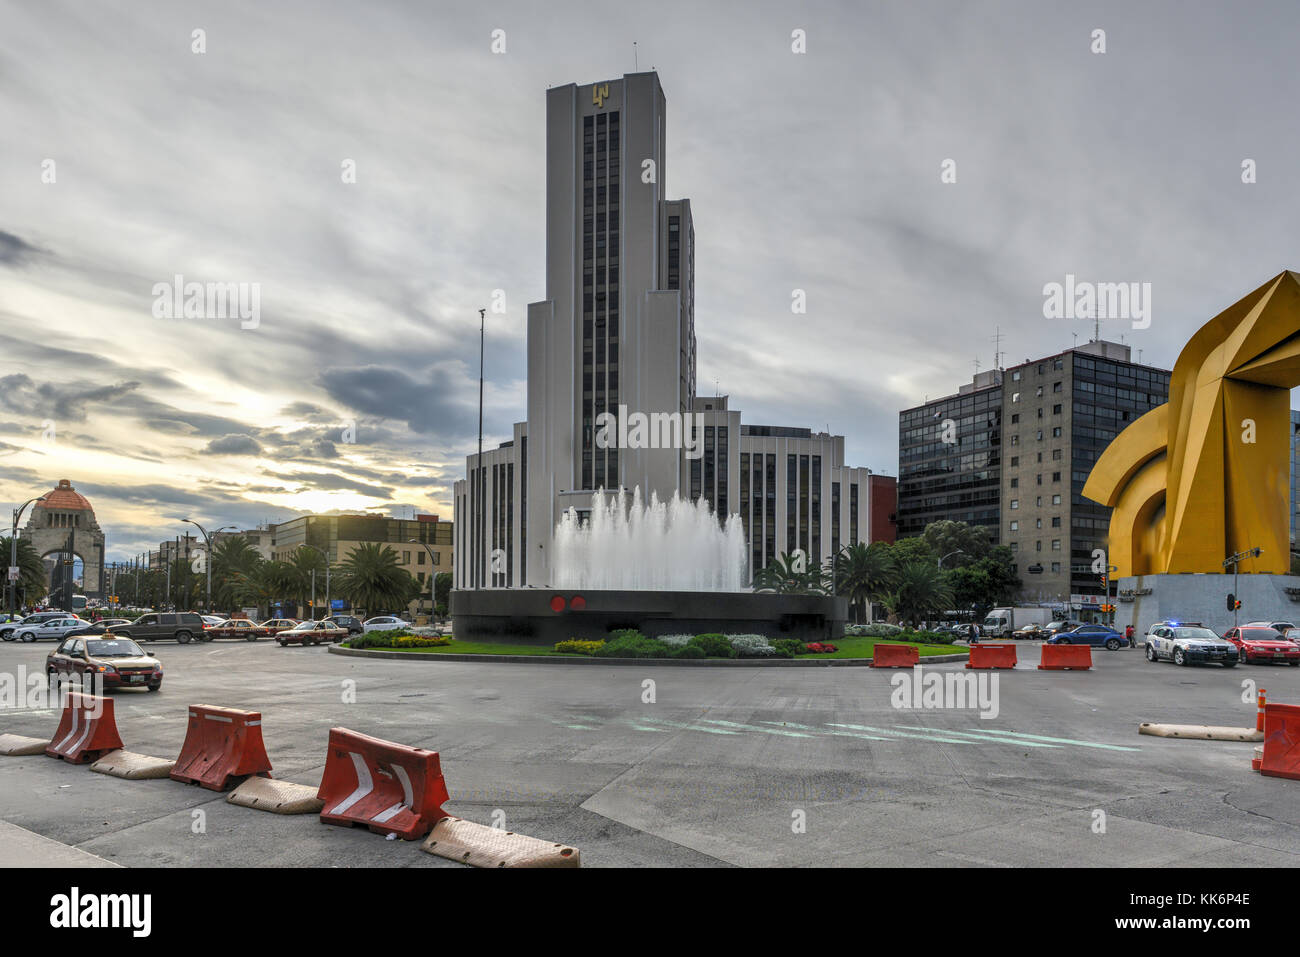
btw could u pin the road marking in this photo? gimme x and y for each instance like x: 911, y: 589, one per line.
x: 976, y: 737
x: 750, y: 727
x: 1017, y: 737
x: 904, y: 734
x: 843, y: 734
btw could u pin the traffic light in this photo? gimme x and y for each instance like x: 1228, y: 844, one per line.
x: 1236, y: 604
x: 1233, y: 603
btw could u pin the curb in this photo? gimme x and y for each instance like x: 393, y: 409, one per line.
x: 582, y: 660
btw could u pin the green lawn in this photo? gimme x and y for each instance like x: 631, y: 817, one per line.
x: 848, y: 648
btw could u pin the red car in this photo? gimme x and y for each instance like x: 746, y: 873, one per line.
x: 235, y: 628
x: 1259, y: 644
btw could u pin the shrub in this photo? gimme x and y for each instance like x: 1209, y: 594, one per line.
x: 688, y: 651
x: 788, y: 647
x: 633, y: 645
x: 714, y: 646
x: 576, y: 646
x: 624, y: 633
x: 675, y: 641
x: 820, y: 648
x: 421, y: 641
x: 931, y: 637
x: 377, y: 639
x: 877, y: 629
x: 751, y: 646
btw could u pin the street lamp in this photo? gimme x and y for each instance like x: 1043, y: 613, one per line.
x: 207, y: 553
x: 13, y: 550
x: 433, y: 578
x: 948, y: 556
x: 313, y: 581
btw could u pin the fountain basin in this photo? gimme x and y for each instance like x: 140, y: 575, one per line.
x: 544, y: 616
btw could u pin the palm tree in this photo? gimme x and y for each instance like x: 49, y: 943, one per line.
x: 262, y: 584
x: 299, y: 568
x: 372, y: 578
x: 789, y: 575
x: 32, y: 580
x: 231, y: 557
x: 918, y: 590
x: 862, y: 573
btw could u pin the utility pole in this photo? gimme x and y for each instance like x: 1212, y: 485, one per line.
x: 13, y: 551
x: 478, y: 462
x: 207, y: 554
x: 1234, y: 561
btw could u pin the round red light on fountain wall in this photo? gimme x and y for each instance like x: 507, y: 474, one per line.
x: 557, y: 603
x: 577, y: 603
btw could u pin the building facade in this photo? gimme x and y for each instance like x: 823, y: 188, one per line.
x: 615, y: 337
x: 1024, y: 441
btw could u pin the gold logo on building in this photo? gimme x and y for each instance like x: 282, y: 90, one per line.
x: 599, y: 92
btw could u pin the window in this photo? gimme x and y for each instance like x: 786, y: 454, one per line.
x: 1038, y: 545
x: 1015, y: 483
x: 1040, y: 435
x: 1015, y: 503
x: 1040, y: 478
x: 1038, y: 523
x: 1015, y: 440
x: 1056, y: 476
x: 1039, y: 502
x: 1056, y: 432
x: 1015, y: 526
x: 1056, y: 521
x: 1015, y: 397
x: 1015, y: 418
x: 1039, y: 392
x: 1056, y: 409
x: 1056, y: 568
x: 1056, y: 387
x: 1015, y: 376
x: 1056, y: 454
x: 1015, y: 460
x: 1056, y: 500
x: 1056, y: 544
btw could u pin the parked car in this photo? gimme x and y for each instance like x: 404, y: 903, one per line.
x: 119, y: 662
x: 49, y: 628
x: 235, y: 628
x: 384, y: 623
x: 183, y: 626
x: 1187, y: 644
x: 1262, y: 644
x: 10, y: 631
x: 312, y: 633
x: 212, y: 619
x: 353, y: 625
x: 1285, y: 628
x: 274, y: 626
x: 1099, y: 635
x: 1061, y: 624
x: 1032, y: 632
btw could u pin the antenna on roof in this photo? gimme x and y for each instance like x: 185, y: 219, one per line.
x: 635, y: 61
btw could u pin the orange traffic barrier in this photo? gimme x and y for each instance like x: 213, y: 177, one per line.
x: 223, y: 746
x: 1281, y: 757
x: 389, y: 788
x: 1065, y: 658
x: 1259, y: 712
x: 87, y: 730
x: 894, y: 656
x: 991, y: 656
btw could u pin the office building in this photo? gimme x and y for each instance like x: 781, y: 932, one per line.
x: 615, y: 335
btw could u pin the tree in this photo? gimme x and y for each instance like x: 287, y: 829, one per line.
x: 918, y: 591
x: 789, y: 575
x: 32, y: 582
x: 298, y: 571
x: 986, y: 583
x: 971, y: 542
x: 862, y: 573
x: 441, y: 593
x: 372, y: 578
x: 262, y: 584
x: 231, y: 557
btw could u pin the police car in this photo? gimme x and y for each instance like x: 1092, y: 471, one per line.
x: 1186, y: 642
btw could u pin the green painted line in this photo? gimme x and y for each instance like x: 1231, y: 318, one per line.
x: 642, y: 727
x: 1023, y: 738
x: 903, y: 734
x: 842, y: 734
x: 579, y: 727
x: 976, y: 737
x: 750, y: 727
x: 684, y: 726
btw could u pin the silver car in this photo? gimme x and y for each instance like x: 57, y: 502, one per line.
x: 54, y: 628
x: 1189, y: 644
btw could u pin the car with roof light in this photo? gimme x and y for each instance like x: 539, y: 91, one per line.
x: 1189, y: 643
x: 312, y: 633
x: 117, y: 662
x: 235, y: 628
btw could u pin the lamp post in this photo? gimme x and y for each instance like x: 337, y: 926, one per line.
x: 433, y: 578
x: 207, y: 553
x: 939, y: 567
x: 478, y: 462
x: 313, y: 581
x: 13, y: 549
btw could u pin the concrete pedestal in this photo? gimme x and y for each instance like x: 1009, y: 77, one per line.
x: 1204, y: 598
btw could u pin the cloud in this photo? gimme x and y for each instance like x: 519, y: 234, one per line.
x: 234, y: 445
x: 15, y: 250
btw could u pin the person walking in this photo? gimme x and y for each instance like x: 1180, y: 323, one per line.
x: 972, y: 633
x: 1128, y: 633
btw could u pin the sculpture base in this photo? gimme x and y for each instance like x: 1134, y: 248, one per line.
x: 545, y: 616
x: 1204, y: 598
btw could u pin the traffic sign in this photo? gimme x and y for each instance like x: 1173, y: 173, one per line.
x: 14, y: 571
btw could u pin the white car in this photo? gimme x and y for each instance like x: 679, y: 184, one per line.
x: 1185, y: 644
x: 212, y: 619
x: 384, y: 623
x: 53, y: 628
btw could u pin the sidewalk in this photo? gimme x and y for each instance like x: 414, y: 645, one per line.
x: 20, y: 847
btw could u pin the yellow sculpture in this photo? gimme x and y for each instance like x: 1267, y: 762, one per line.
x: 1207, y: 474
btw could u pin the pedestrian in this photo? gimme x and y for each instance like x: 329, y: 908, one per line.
x: 971, y: 633
x: 1128, y: 633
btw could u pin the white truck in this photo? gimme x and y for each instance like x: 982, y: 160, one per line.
x: 1003, y: 622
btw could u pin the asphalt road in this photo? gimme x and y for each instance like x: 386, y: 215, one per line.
x: 736, y: 766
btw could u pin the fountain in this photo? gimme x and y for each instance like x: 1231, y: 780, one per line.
x: 659, y: 567
x: 673, y: 546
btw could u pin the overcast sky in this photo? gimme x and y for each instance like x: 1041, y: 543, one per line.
x: 818, y: 171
